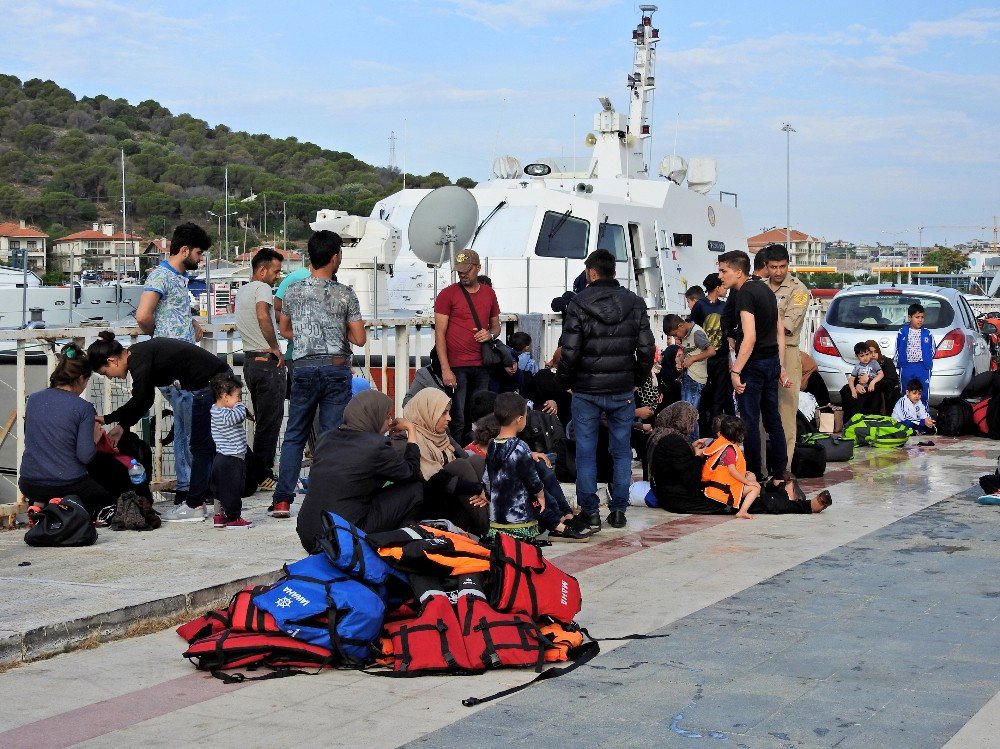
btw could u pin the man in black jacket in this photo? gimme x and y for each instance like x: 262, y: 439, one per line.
x: 607, y: 352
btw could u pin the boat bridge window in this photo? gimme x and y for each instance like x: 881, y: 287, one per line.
x: 563, y: 235
x: 611, y: 237
x: 683, y: 240
x: 507, y: 233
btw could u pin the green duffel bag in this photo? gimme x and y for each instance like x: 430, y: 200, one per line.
x: 837, y: 449
x: 876, y: 431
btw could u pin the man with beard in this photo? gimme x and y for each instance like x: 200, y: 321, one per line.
x: 466, y: 315
x: 164, y: 311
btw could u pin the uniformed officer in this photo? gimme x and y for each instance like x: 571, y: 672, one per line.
x: 793, y: 301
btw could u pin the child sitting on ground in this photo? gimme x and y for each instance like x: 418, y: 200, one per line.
x: 910, y: 409
x: 557, y: 517
x: 230, y: 437
x: 725, y: 474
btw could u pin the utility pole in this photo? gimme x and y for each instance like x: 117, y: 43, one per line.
x: 788, y: 130
x: 284, y: 229
x: 226, y: 212
x: 392, y: 150
x: 264, y: 195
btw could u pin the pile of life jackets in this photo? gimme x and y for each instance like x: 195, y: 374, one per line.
x: 418, y: 600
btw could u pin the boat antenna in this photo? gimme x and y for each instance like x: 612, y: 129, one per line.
x: 404, y: 153
x: 496, y: 139
x: 677, y: 125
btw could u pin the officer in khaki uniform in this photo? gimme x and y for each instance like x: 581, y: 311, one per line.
x: 793, y: 301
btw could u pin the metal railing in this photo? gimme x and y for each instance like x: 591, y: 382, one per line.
x: 390, y: 340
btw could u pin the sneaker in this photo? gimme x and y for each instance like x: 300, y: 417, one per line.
x: 180, y: 497
x: 282, y: 510
x: 219, y: 521
x: 184, y: 514
x: 579, y: 522
x: 238, y: 523
x: 570, y: 534
x: 592, y: 519
x: 267, y: 484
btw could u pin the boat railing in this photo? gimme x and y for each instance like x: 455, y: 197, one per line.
x: 390, y: 340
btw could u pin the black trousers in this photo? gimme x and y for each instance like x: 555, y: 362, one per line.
x: 456, y: 507
x: 865, y: 403
x: 266, y: 384
x: 394, y: 507
x: 228, y: 475
x: 776, y: 502
x: 468, y: 380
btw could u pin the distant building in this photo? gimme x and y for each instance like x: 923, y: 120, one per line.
x: 805, y: 250
x: 292, y: 259
x: 17, y: 237
x: 99, y: 249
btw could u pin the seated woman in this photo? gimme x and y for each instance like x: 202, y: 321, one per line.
x: 452, y: 478
x: 675, y: 464
x: 427, y: 377
x: 889, y: 385
x: 350, y: 469
x: 61, y: 432
x: 155, y: 363
x: 676, y: 468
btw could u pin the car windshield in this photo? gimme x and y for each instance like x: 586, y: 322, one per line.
x: 877, y: 311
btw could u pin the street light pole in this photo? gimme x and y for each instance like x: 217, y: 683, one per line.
x: 788, y: 130
x: 226, y: 212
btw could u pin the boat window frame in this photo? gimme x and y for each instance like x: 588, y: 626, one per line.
x: 554, y: 222
x: 619, y: 258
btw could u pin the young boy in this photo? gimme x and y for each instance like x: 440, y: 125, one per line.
x: 229, y: 467
x: 725, y: 473
x: 915, y: 351
x: 867, y: 373
x: 558, y: 517
x: 693, y: 357
x: 911, y: 411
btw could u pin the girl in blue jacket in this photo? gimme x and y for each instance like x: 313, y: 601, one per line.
x: 915, y: 351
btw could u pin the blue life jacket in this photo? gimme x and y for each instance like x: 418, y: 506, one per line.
x: 319, y: 604
x: 349, y: 551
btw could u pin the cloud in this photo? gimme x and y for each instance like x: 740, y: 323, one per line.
x: 374, y: 65
x: 523, y: 13
x: 975, y: 26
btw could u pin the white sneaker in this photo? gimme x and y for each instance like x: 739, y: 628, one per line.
x: 184, y: 514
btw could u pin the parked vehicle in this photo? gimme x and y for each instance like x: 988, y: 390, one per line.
x: 877, y: 312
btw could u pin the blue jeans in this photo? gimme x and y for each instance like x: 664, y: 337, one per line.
x: 180, y: 404
x: 760, y: 399
x: 324, y: 388
x: 620, y: 411
x: 556, y: 506
x: 202, y: 446
x: 691, y: 390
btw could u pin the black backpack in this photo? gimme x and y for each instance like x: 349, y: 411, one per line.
x: 809, y: 461
x: 62, y: 522
x: 954, y: 417
x: 543, y: 432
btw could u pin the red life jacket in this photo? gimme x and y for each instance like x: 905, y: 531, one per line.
x: 525, y: 583
x: 208, y: 624
x: 979, y: 416
x: 429, y: 643
x: 229, y: 650
x: 495, y: 640
x: 246, y: 616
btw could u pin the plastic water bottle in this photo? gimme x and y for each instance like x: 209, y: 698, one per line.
x: 136, y: 473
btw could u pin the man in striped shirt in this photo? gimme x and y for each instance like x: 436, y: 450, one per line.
x: 230, y: 437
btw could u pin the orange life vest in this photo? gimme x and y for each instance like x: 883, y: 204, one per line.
x: 720, y: 485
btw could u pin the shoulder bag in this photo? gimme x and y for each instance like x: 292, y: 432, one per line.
x: 495, y: 354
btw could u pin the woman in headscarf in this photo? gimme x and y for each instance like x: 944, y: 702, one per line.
x: 675, y: 463
x: 351, y: 467
x: 452, y: 478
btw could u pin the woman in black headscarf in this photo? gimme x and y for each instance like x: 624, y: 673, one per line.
x: 352, y: 465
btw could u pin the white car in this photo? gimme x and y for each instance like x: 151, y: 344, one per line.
x: 862, y: 313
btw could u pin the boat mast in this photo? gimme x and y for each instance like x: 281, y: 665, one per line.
x: 619, y: 150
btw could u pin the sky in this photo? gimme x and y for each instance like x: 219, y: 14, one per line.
x: 895, y: 105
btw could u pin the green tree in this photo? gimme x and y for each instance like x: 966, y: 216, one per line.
x: 35, y: 138
x: 822, y: 280
x: 53, y: 277
x: 946, y: 259
x: 466, y: 182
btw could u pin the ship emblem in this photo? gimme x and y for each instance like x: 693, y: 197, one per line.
x: 711, y: 215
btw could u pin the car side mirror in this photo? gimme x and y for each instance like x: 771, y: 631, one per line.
x: 989, y: 328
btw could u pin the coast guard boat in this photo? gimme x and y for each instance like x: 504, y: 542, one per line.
x: 535, y: 224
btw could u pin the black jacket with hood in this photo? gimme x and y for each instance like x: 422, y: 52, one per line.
x: 607, y: 344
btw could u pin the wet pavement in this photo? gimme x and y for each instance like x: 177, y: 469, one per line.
x: 874, y: 623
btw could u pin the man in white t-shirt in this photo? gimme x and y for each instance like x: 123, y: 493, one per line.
x: 263, y: 363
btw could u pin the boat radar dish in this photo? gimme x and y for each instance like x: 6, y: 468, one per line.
x: 673, y: 168
x: 444, y: 219
x: 506, y: 167
x: 537, y: 170
x: 702, y: 175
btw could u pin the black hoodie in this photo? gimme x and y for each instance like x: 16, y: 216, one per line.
x: 607, y: 344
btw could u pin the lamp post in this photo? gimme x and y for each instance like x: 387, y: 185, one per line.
x: 788, y: 130
x: 220, y: 217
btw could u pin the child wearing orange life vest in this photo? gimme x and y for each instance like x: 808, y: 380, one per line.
x: 725, y: 475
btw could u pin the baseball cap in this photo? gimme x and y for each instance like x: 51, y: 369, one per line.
x: 465, y: 260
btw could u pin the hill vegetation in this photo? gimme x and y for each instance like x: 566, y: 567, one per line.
x: 60, y: 168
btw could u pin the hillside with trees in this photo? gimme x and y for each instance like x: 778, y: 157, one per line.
x: 60, y: 168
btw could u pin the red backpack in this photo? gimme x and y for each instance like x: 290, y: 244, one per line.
x: 525, y: 583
